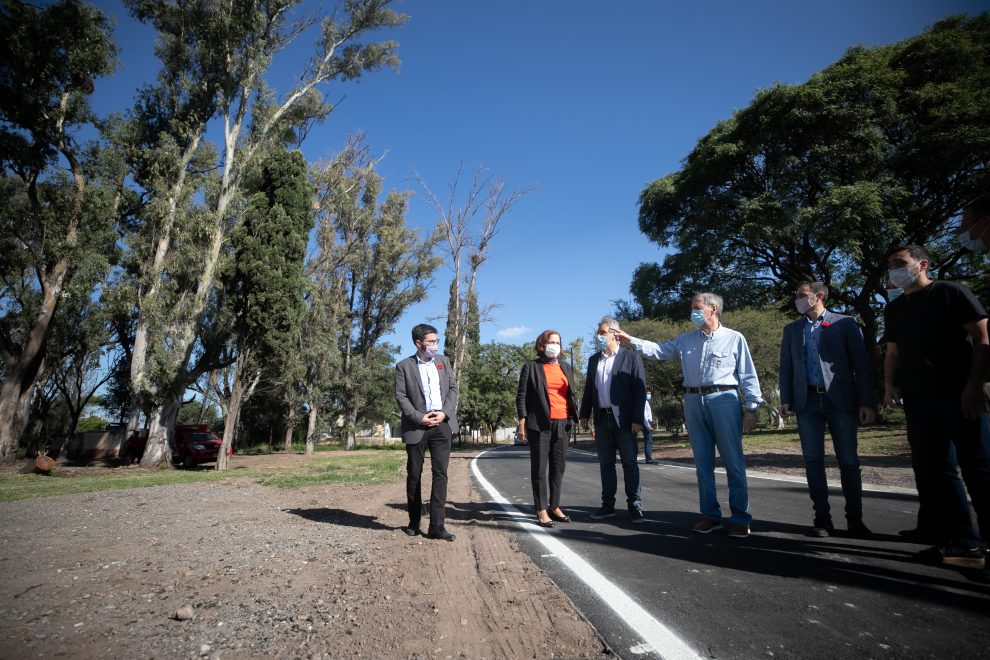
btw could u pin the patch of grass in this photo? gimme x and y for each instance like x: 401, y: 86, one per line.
x: 26, y: 486
x: 364, y: 469
x: 380, y: 467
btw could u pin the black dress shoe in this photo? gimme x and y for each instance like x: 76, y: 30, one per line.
x: 411, y: 531
x: 440, y: 535
x: 563, y: 518
x: 857, y: 530
x: 547, y: 524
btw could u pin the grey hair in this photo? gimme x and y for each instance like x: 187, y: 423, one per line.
x: 610, y: 322
x: 709, y: 298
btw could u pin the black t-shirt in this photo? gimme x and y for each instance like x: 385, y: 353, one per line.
x: 934, y: 350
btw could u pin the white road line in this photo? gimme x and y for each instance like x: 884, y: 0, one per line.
x: 771, y: 476
x: 659, y: 637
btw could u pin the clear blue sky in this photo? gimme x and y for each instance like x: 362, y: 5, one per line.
x: 586, y: 101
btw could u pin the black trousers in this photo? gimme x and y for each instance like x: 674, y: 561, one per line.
x: 437, y: 439
x: 547, y: 459
x: 940, y: 437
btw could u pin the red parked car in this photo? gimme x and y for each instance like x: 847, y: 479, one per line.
x: 193, y: 444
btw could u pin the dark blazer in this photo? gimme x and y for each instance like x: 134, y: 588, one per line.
x: 412, y: 402
x: 844, y: 361
x: 532, y: 399
x: 627, y: 391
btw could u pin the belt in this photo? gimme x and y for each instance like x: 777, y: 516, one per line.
x: 817, y: 389
x: 708, y: 389
x: 605, y: 411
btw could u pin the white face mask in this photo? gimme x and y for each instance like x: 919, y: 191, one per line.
x: 902, y: 277
x: 804, y: 305
x: 893, y: 293
x: 552, y: 350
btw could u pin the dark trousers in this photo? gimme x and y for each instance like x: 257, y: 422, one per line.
x: 547, y: 458
x: 609, y: 438
x: 647, y: 442
x: 438, y: 441
x: 935, y: 430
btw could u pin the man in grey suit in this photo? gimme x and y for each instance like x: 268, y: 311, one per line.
x: 825, y: 377
x: 427, y: 396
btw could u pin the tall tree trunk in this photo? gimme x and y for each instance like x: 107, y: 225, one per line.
x: 311, y: 430
x: 161, y: 426
x: 15, y: 404
x: 290, y: 424
x: 351, y: 425
x: 239, y: 393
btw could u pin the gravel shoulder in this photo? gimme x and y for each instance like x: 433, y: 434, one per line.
x: 321, y: 571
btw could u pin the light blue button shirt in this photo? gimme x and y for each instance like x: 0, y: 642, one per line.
x: 721, y: 358
x: 812, y: 340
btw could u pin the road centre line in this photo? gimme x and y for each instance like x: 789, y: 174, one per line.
x: 661, y: 638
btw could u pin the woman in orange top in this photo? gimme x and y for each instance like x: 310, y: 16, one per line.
x: 547, y: 410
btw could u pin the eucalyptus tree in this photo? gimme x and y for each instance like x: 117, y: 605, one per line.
x: 814, y: 181
x: 468, y: 221
x: 374, y: 266
x: 215, y: 61
x: 57, y: 191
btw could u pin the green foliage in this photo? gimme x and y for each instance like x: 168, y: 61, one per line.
x: 493, y: 377
x: 90, y: 424
x: 814, y: 181
x: 370, y: 269
x: 194, y: 412
x: 270, y: 248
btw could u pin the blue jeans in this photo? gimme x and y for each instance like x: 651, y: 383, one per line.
x: 609, y: 438
x: 842, y: 425
x: 716, y: 420
x: 647, y: 443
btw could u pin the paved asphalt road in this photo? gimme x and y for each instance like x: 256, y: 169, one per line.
x: 777, y: 594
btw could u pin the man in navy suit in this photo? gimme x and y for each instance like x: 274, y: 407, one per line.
x: 615, y: 391
x: 825, y: 377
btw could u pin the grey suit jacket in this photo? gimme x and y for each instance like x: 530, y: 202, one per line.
x: 842, y: 355
x: 412, y: 402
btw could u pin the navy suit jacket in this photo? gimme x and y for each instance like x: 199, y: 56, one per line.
x: 845, y: 364
x: 627, y: 391
x: 412, y: 402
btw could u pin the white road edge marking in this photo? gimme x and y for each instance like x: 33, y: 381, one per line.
x: 659, y: 637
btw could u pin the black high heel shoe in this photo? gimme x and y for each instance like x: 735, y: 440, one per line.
x: 563, y: 518
x: 547, y: 524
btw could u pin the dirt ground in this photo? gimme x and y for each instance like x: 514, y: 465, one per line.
x: 315, y: 572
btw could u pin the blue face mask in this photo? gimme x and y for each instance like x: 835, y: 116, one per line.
x: 601, y: 341
x: 893, y: 293
x: 697, y: 317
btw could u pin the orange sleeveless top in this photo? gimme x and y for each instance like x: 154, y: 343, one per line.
x: 557, y: 388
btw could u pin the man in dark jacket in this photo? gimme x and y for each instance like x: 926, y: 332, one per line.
x: 615, y: 391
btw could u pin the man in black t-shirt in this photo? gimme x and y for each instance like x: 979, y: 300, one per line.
x: 936, y: 360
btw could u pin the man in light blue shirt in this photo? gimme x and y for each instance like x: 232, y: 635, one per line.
x: 717, y: 367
